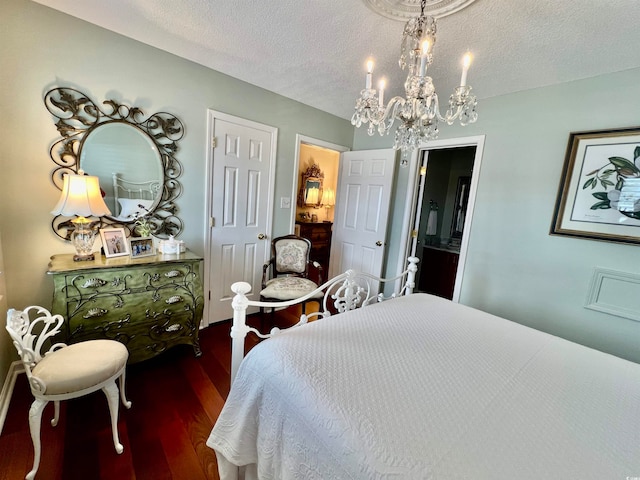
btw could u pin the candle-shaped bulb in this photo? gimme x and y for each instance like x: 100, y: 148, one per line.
x: 426, y: 45
x: 466, y: 61
x: 369, y: 66
x: 369, y: 72
x: 381, y: 86
x: 423, y: 58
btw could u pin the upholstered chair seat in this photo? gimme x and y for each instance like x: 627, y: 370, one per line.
x: 81, y: 366
x: 286, y: 288
x: 65, y: 372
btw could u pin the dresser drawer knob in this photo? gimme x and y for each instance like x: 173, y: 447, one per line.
x: 173, y: 274
x: 94, y: 283
x: 174, y: 299
x: 94, y: 312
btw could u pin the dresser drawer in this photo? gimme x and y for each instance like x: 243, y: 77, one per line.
x: 143, y: 339
x: 119, y: 281
x: 147, y: 304
x: 107, y: 307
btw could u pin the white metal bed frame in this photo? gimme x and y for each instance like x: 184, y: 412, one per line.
x: 347, y: 291
x: 134, y: 190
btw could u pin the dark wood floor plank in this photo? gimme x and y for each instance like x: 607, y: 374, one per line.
x: 209, y: 397
x: 112, y: 464
x: 176, y: 400
x: 181, y: 456
x: 16, y: 456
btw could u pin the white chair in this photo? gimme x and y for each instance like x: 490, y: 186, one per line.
x: 64, y: 372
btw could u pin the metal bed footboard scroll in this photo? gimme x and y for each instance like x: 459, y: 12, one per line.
x: 347, y: 291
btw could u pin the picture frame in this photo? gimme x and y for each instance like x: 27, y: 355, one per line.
x: 141, y: 247
x: 599, y: 193
x: 114, y: 242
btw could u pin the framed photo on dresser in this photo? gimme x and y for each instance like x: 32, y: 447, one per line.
x: 114, y: 242
x: 141, y: 247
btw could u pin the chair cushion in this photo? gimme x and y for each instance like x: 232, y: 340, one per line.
x: 288, y: 288
x: 81, y: 365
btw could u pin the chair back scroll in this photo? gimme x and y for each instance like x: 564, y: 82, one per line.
x: 31, y: 336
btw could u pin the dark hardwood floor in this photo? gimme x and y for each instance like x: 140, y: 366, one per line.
x: 176, y: 400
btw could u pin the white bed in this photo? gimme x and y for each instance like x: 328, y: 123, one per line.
x: 133, y: 200
x: 420, y: 387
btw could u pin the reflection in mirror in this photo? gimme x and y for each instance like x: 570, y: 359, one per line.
x: 460, y: 207
x: 310, y: 192
x: 128, y: 164
x: 133, y: 157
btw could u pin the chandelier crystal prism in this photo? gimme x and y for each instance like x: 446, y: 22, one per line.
x: 418, y: 113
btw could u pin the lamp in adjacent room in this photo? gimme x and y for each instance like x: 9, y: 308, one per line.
x: 328, y: 200
x: 81, y: 196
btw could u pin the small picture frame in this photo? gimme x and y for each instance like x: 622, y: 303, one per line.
x: 114, y: 242
x: 141, y: 247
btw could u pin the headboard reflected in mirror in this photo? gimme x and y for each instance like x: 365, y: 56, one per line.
x: 133, y: 158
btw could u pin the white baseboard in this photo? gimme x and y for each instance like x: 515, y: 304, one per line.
x: 15, y: 369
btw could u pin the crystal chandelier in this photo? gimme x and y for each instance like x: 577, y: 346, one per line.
x: 419, y: 112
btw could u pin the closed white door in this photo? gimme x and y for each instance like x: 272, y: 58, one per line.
x: 241, y: 193
x: 362, y: 209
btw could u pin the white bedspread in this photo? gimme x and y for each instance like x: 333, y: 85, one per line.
x: 421, y: 388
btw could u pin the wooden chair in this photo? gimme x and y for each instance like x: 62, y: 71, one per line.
x: 289, y: 267
x: 64, y: 372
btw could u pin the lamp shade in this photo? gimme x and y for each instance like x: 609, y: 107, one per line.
x: 328, y: 197
x: 312, y: 196
x: 81, y: 196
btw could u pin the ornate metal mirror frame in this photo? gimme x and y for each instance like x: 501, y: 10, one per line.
x: 77, y: 117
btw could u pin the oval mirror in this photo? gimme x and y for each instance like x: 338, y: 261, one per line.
x: 128, y: 164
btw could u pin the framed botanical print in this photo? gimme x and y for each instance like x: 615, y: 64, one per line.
x: 599, y: 194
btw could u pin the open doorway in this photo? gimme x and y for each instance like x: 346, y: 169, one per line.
x: 314, y: 194
x: 441, y: 222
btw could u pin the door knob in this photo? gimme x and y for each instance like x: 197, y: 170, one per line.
x: 261, y: 236
x: 379, y: 243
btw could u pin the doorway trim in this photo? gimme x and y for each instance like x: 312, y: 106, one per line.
x: 303, y: 139
x: 412, y: 196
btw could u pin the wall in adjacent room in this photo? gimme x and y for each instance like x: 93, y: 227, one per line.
x: 329, y: 162
x: 514, y: 268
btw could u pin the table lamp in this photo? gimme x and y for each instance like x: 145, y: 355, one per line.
x: 328, y: 200
x: 81, y: 196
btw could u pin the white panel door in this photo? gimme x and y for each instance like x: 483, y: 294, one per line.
x: 362, y: 208
x: 241, y: 208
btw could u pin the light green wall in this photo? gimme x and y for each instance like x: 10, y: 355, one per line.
x: 514, y: 268
x: 41, y: 48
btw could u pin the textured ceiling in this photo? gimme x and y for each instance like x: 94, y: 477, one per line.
x: 314, y: 51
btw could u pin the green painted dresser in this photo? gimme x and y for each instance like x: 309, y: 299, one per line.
x: 149, y: 304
